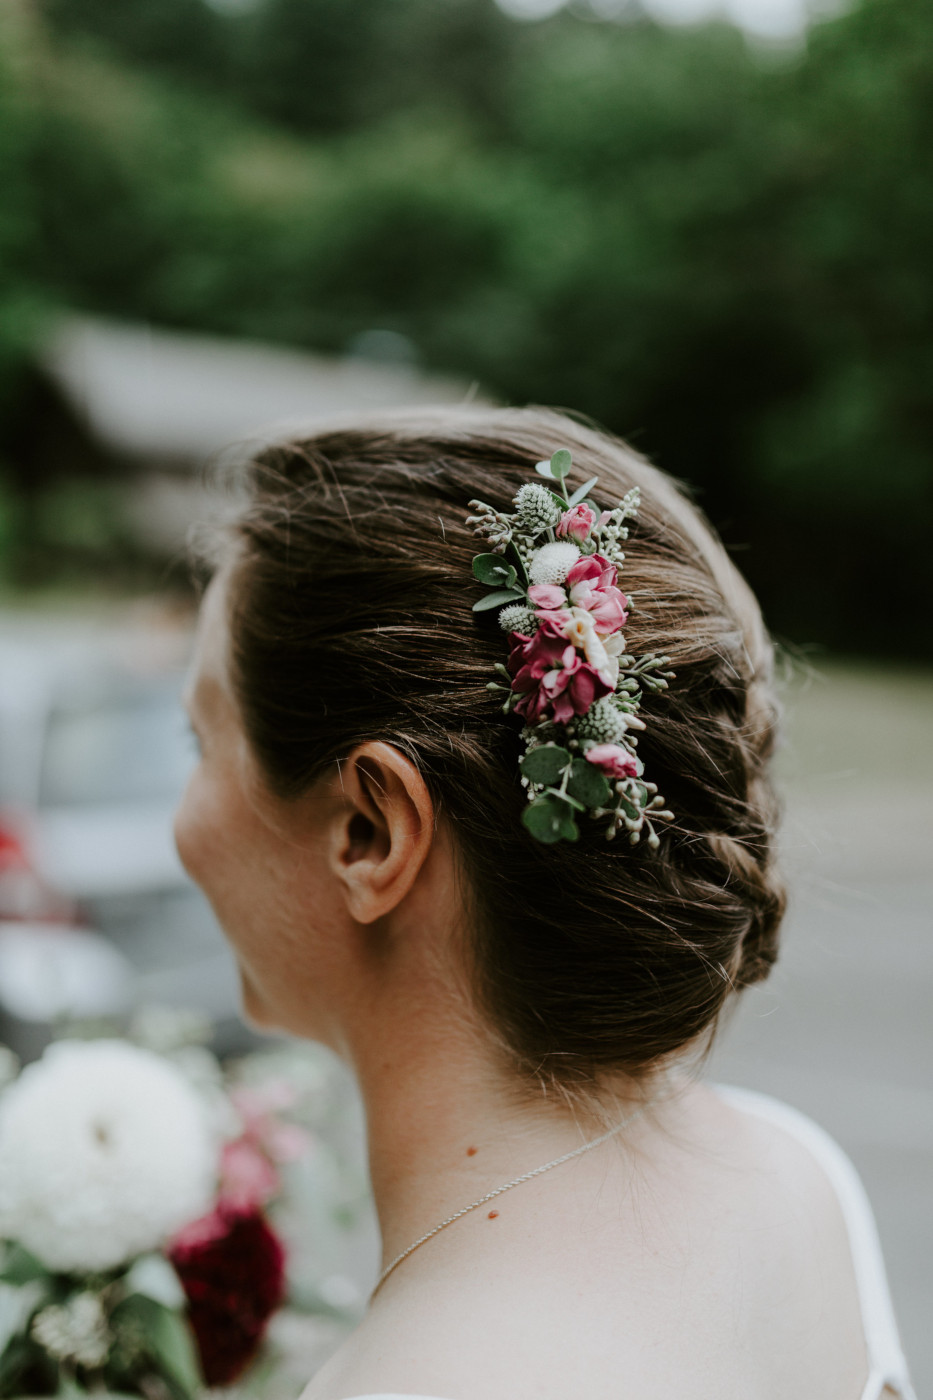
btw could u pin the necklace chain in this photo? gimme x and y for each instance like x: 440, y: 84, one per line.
x: 498, y: 1191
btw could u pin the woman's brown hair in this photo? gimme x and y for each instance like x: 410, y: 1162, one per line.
x: 351, y: 620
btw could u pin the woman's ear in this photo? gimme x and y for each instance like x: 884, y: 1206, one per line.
x: 384, y: 831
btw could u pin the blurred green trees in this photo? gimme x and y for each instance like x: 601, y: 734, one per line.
x: 723, y: 255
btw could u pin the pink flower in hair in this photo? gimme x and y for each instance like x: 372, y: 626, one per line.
x: 576, y: 523
x: 550, y: 674
x: 591, y: 584
x: 614, y: 760
x: 547, y: 595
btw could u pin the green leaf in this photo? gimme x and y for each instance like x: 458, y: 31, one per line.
x: 169, y: 1341
x: 19, y: 1266
x: 493, y: 570
x: 565, y: 797
x: 561, y: 463
x: 582, y: 491
x: 497, y: 599
x: 545, y: 764
x: 549, y: 820
x: 68, y: 1388
x: 153, y: 1276
x: 588, y: 784
x: 544, y: 469
x: 22, y: 1357
x: 629, y: 809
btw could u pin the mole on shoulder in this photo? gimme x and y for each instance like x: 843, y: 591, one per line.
x: 471, y: 1151
x: 492, y: 1215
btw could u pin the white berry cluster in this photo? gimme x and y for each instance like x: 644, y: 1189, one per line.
x: 536, y: 508
x: 603, y: 723
x: 518, y: 618
x: 615, y: 530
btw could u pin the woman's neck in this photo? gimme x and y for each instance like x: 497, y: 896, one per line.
x: 448, y: 1123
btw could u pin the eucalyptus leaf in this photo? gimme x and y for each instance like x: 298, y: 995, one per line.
x: 544, y: 469
x: 629, y: 808
x: 565, y: 797
x: 20, y: 1358
x: 561, y: 463
x: 169, y: 1341
x: 588, y: 784
x: 549, y: 820
x: 544, y: 764
x: 493, y: 570
x: 497, y: 599
x: 583, y: 491
x: 19, y: 1266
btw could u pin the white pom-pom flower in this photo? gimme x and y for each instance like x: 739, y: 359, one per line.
x: 553, y: 562
x: 105, y: 1151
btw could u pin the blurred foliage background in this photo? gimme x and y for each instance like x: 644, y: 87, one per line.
x: 719, y: 251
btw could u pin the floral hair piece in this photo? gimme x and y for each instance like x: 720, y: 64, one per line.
x: 553, y: 571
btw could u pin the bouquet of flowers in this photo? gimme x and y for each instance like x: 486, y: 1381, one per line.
x: 137, y: 1254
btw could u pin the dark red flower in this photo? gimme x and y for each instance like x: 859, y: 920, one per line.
x: 234, y: 1282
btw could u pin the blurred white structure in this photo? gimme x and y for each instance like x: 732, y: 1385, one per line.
x: 155, y: 406
x: 49, y: 971
x: 774, y: 21
x: 172, y: 397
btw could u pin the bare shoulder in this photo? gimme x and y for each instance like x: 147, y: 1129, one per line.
x: 723, y: 1269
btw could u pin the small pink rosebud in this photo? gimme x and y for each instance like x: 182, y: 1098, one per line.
x: 576, y: 523
x: 614, y: 761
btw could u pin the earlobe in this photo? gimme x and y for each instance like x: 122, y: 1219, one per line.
x: 384, y: 832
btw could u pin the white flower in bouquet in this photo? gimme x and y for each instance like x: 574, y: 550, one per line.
x: 105, y: 1151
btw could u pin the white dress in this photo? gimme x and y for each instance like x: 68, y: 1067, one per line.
x: 887, y: 1366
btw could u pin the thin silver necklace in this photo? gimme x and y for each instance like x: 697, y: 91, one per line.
x: 499, y: 1190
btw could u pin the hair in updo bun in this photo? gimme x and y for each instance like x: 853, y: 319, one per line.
x: 350, y: 614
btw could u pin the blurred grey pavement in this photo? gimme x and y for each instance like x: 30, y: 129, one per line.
x: 843, y: 1029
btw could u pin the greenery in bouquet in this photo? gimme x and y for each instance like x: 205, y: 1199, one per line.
x: 140, y: 1182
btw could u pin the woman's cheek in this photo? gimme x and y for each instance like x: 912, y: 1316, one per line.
x: 196, y: 829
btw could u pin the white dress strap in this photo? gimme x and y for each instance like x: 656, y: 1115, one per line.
x: 887, y: 1365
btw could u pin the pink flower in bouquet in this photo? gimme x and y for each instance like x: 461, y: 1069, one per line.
x: 576, y: 523
x: 614, y: 760
x: 248, y: 1179
x: 258, y: 1106
x: 550, y: 675
x: 591, y: 584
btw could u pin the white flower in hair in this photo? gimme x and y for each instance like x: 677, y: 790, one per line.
x: 105, y: 1151
x: 553, y: 562
x: 582, y: 633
